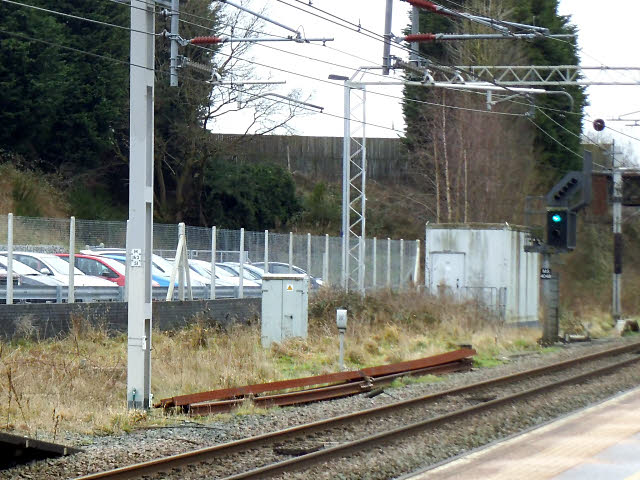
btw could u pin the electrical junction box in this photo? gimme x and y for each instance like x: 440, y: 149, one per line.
x: 285, y: 304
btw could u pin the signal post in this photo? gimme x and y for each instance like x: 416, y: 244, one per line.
x: 571, y: 194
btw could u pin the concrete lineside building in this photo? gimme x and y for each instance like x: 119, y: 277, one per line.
x: 486, y: 263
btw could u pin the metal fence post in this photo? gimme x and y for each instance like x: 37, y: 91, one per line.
x: 325, y: 263
x: 71, y: 294
x: 375, y: 267
x: 388, y: 262
x: 309, y: 255
x: 361, y: 253
x: 214, y: 238
x: 343, y: 274
x: 401, y: 264
x: 266, y: 251
x: 10, y: 259
x: 416, y: 269
x: 241, y: 266
x: 179, y: 260
x: 290, y: 252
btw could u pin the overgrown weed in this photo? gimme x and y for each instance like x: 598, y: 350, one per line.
x: 78, y: 382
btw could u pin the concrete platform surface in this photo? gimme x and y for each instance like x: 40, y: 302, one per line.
x: 598, y: 443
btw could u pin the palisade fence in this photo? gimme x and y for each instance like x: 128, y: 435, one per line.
x: 388, y: 263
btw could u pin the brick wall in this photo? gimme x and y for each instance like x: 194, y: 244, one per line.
x: 46, y: 320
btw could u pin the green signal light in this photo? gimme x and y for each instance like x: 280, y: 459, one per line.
x: 557, y: 218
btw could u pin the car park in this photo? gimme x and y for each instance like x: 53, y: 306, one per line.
x: 103, y: 267
x: 28, y: 276
x: 160, y: 270
x: 51, y: 265
x: 234, y: 268
x: 223, y: 276
x: 281, y: 267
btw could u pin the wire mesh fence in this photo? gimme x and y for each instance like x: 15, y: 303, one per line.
x: 387, y: 263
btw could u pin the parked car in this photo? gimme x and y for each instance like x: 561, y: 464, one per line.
x: 28, y: 276
x: 234, y: 268
x: 281, y: 267
x: 103, y: 267
x: 223, y: 276
x: 4, y: 275
x: 49, y: 264
x: 160, y: 270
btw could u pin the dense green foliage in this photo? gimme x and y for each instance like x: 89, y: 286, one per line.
x: 253, y: 196
x: 64, y: 93
x: 61, y: 109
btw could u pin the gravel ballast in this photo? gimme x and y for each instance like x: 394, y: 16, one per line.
x: 104, y: 453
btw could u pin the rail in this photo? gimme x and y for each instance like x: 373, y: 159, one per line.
x: 251, y: 443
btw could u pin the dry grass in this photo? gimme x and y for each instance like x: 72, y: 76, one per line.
x: 77, y: 383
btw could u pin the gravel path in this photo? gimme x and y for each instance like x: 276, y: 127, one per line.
x: 109, y: 452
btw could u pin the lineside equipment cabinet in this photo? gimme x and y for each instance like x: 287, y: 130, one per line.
x: 285, y: 303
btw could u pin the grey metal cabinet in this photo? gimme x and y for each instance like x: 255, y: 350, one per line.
x: 285, y: 303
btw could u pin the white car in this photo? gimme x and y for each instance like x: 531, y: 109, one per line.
x: 28, y: 276
x: 248, y: 274
x: 49, y: 264
x: 161, y: 266
x: 223, y: 276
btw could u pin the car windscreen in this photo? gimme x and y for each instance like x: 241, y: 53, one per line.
x: 19, y: 268
x: 59, y: 265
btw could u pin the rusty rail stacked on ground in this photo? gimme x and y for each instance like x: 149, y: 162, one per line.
x: 320, y: 387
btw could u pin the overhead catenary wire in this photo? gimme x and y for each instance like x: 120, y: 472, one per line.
x: 413, y: 100
x: 167, y: 73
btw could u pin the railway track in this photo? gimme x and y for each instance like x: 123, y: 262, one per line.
x: 307, y: 445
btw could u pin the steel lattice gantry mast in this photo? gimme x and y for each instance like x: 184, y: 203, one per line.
x: 354, y: 172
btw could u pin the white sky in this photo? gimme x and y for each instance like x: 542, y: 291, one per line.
x: 606, y: 36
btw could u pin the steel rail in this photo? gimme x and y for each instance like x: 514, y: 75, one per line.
x: 325, y: 393
x: 353, y: 375
x: 209, y: 453
x: 319, y: 456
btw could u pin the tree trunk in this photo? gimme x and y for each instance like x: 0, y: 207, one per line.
x: 447, y: 180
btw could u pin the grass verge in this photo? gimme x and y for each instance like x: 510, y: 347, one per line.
x: 77, y: 383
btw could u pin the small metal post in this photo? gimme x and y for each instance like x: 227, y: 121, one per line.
x: 375, y: 266
x: 213, y: 263
x: 241, y: 267
x: 10, y: 259
x: 71, y: 297
x: 325, y: 263
x: 388, y: 262
x: 341, y: 321
x: 416, y: 270
x: 401, y: 264
x: 290, y: 252
x: 266, y: 251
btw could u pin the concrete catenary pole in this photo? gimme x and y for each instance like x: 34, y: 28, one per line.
x: 175, y: 23
x: 139, y: 247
